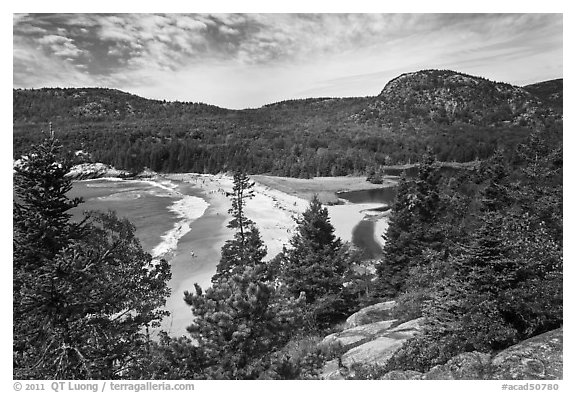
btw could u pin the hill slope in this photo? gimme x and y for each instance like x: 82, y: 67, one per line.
x: 550, y: 92
x: 97, y: 104
x: 448, y: 97
x: 459, y: 117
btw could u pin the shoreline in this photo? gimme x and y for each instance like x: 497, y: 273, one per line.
x: 193, y: 244
x: 198, y: 251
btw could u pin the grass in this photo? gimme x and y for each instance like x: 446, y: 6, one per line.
x: 325, y: 187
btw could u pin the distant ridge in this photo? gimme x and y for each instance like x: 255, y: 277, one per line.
x: 447, y: 97
x: 92, y: 104
x: 550, y: 92
x: 459, y: 117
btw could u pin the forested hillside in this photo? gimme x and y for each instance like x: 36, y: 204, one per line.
x: 550, y: 92
x: 459, y: 117
x: 475, y: 258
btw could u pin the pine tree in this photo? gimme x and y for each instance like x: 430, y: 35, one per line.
x: 242, y: 318
x: 247, y: 248
x: 241, y: 192
x: 83, y: 293
x: 240, y: 321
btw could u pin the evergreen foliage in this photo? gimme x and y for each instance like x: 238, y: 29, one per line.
x: 460, y: 117
x: 413, y: 227
x: 42, y: 224
x: 502, y: 283
x: 313, y: 265
x: 242, y: 319
x: 247, y: 248
x: 318, y: 264
x: 478, y: 255
x: 84, y: 294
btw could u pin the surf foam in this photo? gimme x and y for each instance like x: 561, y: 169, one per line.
x: 188, y: 209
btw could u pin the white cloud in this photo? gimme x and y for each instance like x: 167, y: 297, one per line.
x: 249, y: 59
x: 60, y: 45
x: 34, y: 68
x: 189, y: 23
x: 228, y: 30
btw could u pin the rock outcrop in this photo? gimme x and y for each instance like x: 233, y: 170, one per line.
x: 382, y: 345
x: 468, y: 365
x: 358, y: 334
x: 538, y: 358
x: 375, y: 313
x: 95, y: 171
x: 370, y: 337
x: 448, y: 97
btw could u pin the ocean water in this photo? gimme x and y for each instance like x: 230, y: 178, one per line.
x: 173, y: 222
x: 162, y: 211
x: 363, y: 234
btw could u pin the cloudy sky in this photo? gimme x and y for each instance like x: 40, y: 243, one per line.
x: 248, y: 60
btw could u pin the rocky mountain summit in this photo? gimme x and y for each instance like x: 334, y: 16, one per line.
x: 448, y: 97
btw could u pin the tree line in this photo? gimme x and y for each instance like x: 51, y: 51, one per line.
x: 297, y: 138
x: 479, y: 256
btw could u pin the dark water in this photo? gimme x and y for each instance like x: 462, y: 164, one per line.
x: 377, y: 195
x: 363, y: 235
x: 363, y: 238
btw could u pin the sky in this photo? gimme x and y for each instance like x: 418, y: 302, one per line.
x: 248, y: 60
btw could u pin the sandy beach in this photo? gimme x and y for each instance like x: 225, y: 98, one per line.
x: 273, y: 211
x: 198, y: 251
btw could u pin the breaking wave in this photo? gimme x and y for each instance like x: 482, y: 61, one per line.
x: 188, y: 209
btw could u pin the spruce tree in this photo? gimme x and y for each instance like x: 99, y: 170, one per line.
x: 413, y: 228
x: 314, y: 263
x: 84, y: 294
x: 503, y: 282
x: 41, y: 214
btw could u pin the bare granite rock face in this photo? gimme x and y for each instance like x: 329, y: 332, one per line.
x: 359, y: 333
x: 371, y: 344
x: 375, y: 313
x: 383, y: 345
x: 469, y: 365
x: 332, y: 371
x: 539, y: 357
x: 403, y: 375
x: 94, y: 171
